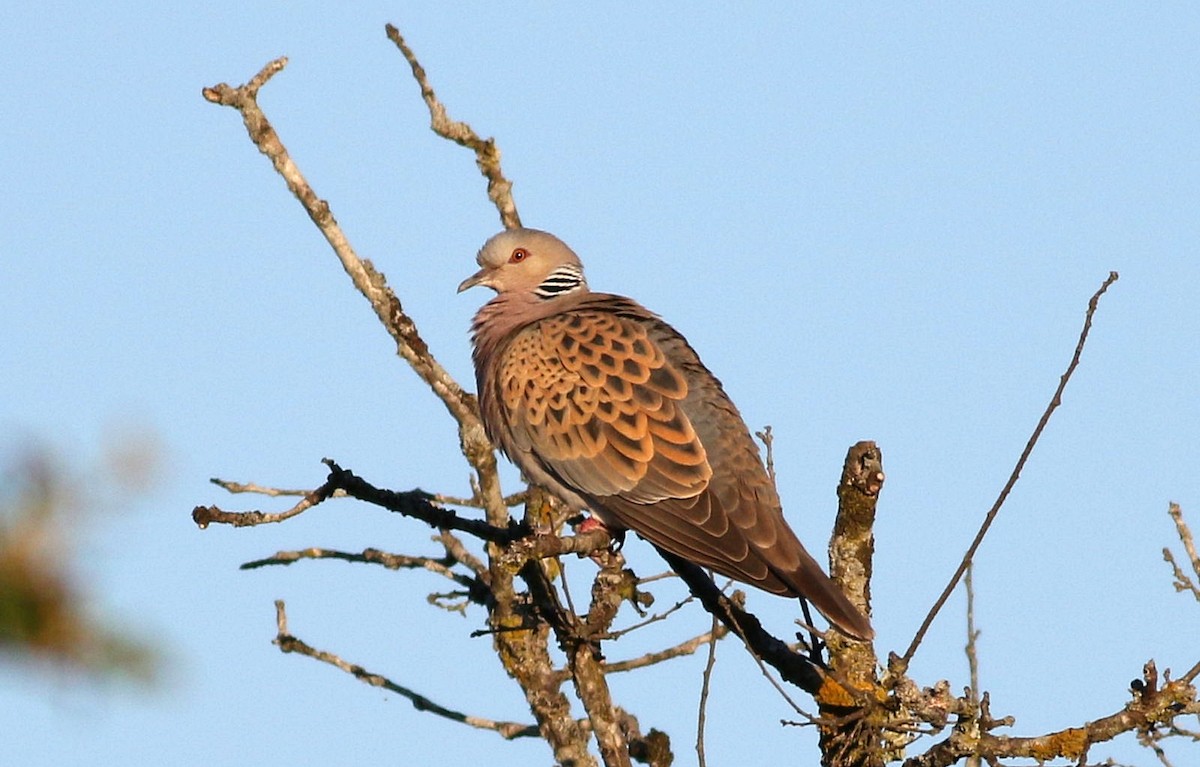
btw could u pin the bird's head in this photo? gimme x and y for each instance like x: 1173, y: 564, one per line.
x: 529, y: 261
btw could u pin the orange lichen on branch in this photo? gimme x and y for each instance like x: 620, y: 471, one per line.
x: 1071, y: 743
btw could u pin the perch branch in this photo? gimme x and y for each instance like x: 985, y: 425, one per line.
x: 792, y: 666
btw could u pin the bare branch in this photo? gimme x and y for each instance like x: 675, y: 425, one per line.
x: 1182, y: 581
x: 487, y: 155
x: 972, y: 648
x: 456, y: 550
x: 1055, y: 401
x: 711, y: 661
x: 409, y: 344
x: 516, y: 499
x: 793, y: 667
x: 418, y: 505
x: 289, y: 643
x: 413, y: 503
x: 524, y: 653
x: 443, y: 567
x: 1152, y: 705
x: 203, y: 516
x: 680, y: 650
x: 250, y: 487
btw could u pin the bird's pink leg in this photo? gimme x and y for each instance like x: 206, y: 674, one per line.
x: 592, y: 523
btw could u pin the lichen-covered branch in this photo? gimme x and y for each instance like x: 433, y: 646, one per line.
x: 1153, y: 705
x: 851, y: 732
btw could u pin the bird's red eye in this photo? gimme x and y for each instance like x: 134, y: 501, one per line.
x: 518, y: 255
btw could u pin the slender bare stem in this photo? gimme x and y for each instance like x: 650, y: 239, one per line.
x: 1055, y: 401
x: 289, y: 643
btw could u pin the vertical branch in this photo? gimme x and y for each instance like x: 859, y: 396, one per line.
x: 853, y: 740
x: 702, y: 716
x: 587, y: 664
x: 972, y: 650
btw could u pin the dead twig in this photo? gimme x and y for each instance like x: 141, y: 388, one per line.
x: 203, y: 516
x: 288, y: 643
x: 1055, y: 401
x: 487, y: 155
x: 1182, y: 581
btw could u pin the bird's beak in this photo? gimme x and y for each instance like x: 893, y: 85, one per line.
x: 478, y: 278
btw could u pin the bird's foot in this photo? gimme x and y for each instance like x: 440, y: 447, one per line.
x: 616, y: 538
x: 591, y: 524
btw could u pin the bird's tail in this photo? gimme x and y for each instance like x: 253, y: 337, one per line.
x: 809, y: 581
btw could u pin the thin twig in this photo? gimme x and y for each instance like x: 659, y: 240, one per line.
x: 1055, y: 401
x: 289, y: 643
x: 972, y: 650
x: 271, y: 492
x: 768, y: 440
x: 655, y: 618
x: 443, y: 567
x: 680, y: 650
x: 705, y: 685
x: 203, y: 516
x: 1189, y: 546
x: 487, y: 155
x: 1182, y: 581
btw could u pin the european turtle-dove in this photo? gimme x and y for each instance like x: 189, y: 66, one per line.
x: 597, y: 399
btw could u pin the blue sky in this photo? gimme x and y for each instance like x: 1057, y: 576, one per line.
x: 873, y: 223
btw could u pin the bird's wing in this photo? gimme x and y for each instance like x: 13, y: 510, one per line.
x: 617, y: 407
x: 591, y: 397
